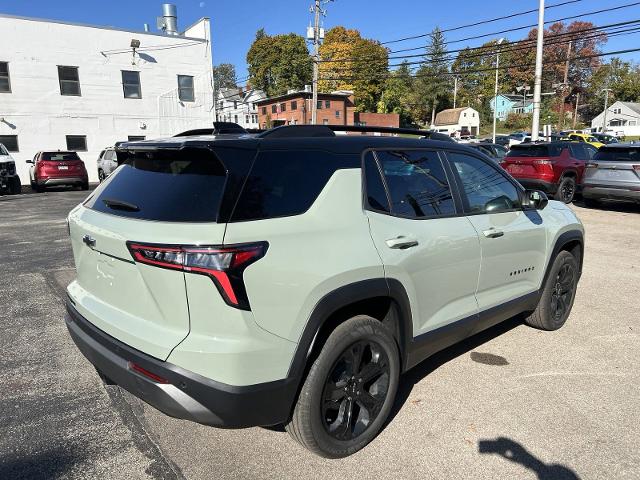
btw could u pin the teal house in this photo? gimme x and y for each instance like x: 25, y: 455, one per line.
x: 510, y: 104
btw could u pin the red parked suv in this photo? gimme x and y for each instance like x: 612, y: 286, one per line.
x: 57, y: 168
x: 555, y: 168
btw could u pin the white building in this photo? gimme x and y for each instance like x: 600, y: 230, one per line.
x: 454, y: 120
x: 83, y: 87
x: 239, y: 106
x: 623, y: 119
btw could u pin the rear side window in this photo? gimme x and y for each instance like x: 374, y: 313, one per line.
x: 535, y: 150
x: 375, y: 191
x: 579, y: 151
x: 417, y: 183
x: 166, y: 185
x: 618, y: 154
x: 286, y: 182
x: 59, y: 156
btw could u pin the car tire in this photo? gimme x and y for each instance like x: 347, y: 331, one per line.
x: 591, y: 202
x: 15, y: 186
x: 101, y: 175
x: 38, y: 188
x: 566, y: 189
x: 558, y: 295
x: 333, y: 389
x: 84, y: 186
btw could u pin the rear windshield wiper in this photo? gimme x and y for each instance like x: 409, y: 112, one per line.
x: 120, y: 205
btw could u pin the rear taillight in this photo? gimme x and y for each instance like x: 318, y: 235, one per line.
x: 224, y: 265
x: 590, y: 165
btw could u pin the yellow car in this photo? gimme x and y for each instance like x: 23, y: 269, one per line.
x: 584, y: 138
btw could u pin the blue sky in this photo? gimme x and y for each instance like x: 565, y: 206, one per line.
x: 234, y: 22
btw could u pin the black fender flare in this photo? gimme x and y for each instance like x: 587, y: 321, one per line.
x: 343, y: 297
x: 564, y: 239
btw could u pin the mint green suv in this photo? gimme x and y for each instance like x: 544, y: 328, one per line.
x: 293, y: 276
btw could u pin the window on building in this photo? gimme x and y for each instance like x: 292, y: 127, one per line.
x: 69, y: 80
x: 274, y: 108
x: 131, y: 84
x: 632, y: 123
x: 264, y: 110
x: 337, y: 113
x: 283, y: 107
x: 325, y: 121
x: 417, y: 183
x: 186, y: 92
x: 465, y: 114
x: 294, y: 105
x: 319, y: 105
x: 235, y: 118
x: 10, y: 142
x: 5, y: 82
x: 77, y: 143
x: 136, y: 138
x: 327, y: 104
x: 235, y: 104
x: 246, y: 119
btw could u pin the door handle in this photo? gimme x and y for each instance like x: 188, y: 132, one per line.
x: 493, y: 233
x: 402, y: 242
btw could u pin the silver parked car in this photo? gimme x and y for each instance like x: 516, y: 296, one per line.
x: 613, y: 174
x: 107, y: 163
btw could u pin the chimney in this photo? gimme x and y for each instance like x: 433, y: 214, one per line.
x: 168, y: 22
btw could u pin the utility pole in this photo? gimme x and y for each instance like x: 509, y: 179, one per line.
x: 606, y: 107
x: 316, y: 57
x: 455, y: 90
x: 537, y: 87
x: 575, y: 115
x: 495, y: 93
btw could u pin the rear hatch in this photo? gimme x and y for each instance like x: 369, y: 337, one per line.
x: 614, y: 167
x: 61, y: 164
x: 161, y: 197
x: 531, y: 160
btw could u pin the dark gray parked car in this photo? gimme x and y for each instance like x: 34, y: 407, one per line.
x: 613, y: 174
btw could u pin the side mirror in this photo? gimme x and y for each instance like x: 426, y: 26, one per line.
x: 29, y: 161
x: 535, y: 199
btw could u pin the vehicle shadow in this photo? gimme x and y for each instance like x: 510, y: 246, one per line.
x: 622, y: 207
x: 516, y: 453
x: 49, y: 464
x: 420, y: 371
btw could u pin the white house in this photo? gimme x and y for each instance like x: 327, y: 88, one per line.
x: 239, y: 106
x: 83, y: 87
x: 623, y: 119
x: 454, y: 120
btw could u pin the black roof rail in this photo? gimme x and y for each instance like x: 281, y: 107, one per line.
x: 291, y: 131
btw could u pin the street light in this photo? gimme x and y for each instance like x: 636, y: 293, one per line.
x: 495, y: 95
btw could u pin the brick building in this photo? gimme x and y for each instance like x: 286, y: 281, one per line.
x: 336, y: 108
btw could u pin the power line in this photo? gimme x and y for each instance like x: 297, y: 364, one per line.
x: 595, y: 12
x: 482, y: 22
x: 517, y: 46
x: 491, y: 69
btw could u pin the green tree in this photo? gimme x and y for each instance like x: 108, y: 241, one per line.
x: 397, y: 95
x: 279, y: 63
x: 353, y: 63
x: 224, y: 76
x: 623, y: 78
x: 433, y: 86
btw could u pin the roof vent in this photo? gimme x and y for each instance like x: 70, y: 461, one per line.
x: 168, y: 22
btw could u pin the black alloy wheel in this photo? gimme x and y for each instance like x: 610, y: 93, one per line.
x: 562, y: 294
x: 101, y: 175
x: 567, y: 189
x: 355, y: 390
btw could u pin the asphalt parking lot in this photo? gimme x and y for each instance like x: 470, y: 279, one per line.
x: 510, y: 403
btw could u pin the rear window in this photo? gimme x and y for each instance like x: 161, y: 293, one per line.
x: 618, y: 154
x: 535, y: 150
x: 59, y: 156
x: 166, y: 185
x: 286, y: 182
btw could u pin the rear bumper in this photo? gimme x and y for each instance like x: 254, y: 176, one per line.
x: 186, y: 395
x: 52, y: 181
x: 612, y: 193
x: 536, y: 184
